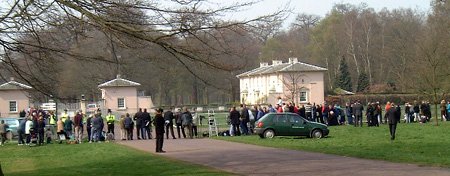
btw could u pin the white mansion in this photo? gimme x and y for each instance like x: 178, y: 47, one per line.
x: 293, y: 81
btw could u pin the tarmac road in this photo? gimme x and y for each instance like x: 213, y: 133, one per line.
x: 248, y: 159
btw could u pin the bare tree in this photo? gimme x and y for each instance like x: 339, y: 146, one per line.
x: 290, y: 83
x: 305, y: 21
x: 28, y: 28
x: 434, y: 72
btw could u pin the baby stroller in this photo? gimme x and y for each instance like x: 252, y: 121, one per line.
x: 33, y: 137
x: 62, y: 136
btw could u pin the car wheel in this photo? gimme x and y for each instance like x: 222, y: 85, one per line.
x: 317, y: 134
x: 9, y: 135
x: 269, y: 133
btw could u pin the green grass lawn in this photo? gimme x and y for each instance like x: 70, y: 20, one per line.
x: 420, y: 144
x: 93, y: 159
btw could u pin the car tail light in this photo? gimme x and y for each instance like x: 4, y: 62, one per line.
x: 260, y: 124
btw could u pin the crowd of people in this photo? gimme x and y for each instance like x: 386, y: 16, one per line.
x: 42, y: 124
x: 242, y: 122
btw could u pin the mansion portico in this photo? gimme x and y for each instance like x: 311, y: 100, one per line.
x: 292, y: 81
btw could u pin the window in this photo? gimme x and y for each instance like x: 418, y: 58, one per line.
x: 303, y: 96
x: 12, y: 106
x: 12, y: 123
x: 279, y: 118
x: 295, y: 119
x: 121, y: 103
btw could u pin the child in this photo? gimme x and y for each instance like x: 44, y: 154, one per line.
x: 102, y: 136
x: 423, y: 119
x: 48, y: 136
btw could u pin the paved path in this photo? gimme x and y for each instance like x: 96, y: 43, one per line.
x: 256, y: 160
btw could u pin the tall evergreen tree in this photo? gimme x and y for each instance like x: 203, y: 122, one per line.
x: 344, y: 78
x: 363, y: 82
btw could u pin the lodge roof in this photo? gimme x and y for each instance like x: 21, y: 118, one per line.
x: 13, y: 85
x: 292, y: 66
x: 119, y: 82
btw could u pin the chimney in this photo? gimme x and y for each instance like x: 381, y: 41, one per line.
x: 118, y: 76
x: 277, y: 62
x: 293, y: 60
x: 263, y: 64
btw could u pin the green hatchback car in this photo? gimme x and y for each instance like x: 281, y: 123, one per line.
x: 289, y: 124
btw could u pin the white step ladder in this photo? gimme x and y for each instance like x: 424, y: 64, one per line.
x: 212, y: 125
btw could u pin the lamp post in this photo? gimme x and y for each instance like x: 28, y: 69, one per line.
x: 56, y: 105
x: 83, y: 103
x: 52, y: 126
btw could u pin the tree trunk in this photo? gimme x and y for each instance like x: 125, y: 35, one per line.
x: 435, y: 98
x: 181, y: 99
x: 369, y: 70
x: 205, y: 96
x: 383, y: 44
x: 231, y: 93
x: 351, y: 50
x: 329, y: 75
x: 194, y: 92
x: 159, y: 93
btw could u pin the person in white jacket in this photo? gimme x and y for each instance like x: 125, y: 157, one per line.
x: 28, y: 126
x: 195, y: 122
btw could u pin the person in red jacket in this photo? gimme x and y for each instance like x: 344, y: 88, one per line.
x: 279, y: 109
x: 79, y: 126
x: 388, y: 105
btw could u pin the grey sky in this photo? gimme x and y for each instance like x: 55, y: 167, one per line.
x: 322, y: 7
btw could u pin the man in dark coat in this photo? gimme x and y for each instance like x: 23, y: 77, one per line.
x: 40, y: 130
x: 399, y: 112
x: 377, y: 114
x: 357, y: 111
x: 168, y: 116
x: 369, y: 114
x: 187, y: 120
x: 97, y: 127
x: 179, y: 122
x: 128, y: 126
x: 78, y: 121
x: 234, y: 117
x: 159, y: 129
x: 393, y: 118
x: 349, y: 112
x: 89, y: 126
x: 137, y: 118
x: 244, y: 119
x: 21, y: 131
x: 146, y: 125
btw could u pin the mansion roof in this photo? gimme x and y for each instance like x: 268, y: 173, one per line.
x: 119, y: 82
x: 292, y: 66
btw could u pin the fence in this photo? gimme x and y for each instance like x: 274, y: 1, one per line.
x: 382, y: 98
